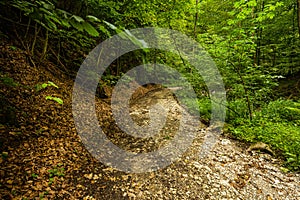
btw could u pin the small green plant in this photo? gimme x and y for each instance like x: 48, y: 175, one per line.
x: 205, y: 108
x: 51, y: 180
x: 8, y: 81
x: 56, y: 171
x: 42, y: 86
x: 14, y: 192
x: 111, y: 80
x: 4, y: 155
x: 33, y: 175
x: 58, y: 100
x: 167, y: 137
x: 13, y: 48
x: 42, y: 195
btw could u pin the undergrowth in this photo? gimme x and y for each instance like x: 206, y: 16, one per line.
x: 277, y: 124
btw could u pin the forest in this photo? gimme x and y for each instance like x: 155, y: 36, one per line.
x: 253, y: 44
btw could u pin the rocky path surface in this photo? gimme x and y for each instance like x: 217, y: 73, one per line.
x: 42, y: 156
x: 228, y: 172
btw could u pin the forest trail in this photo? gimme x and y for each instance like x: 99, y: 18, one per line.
x: 43, y: 157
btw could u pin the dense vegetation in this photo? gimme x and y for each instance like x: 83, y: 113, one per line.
x: 255, y: 44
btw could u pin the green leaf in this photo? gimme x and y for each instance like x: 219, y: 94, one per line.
x: 77, y: 18
x: 104, y: 30
x: 58, y: 100
x: 285, y: 170
x: 48, y: 6
x: 52, y: 84
x: 272, y: 7
x: 34, y: 175
x: 77, y: 25
x: 39, y: 87
x: 252, y: 3
x: 64, y: 13
x: 55, y: 19
x: 279, y: 4
x: 90, y: 29
x: 13, y: 48
x: 111, y: 25
x: 8, y: 81
x: 230, y: 22
x: 65, y: 23
x: 44, y: 85
x: 50, y: 24
x: 291, y: 160
x: 294, y: 109
x: 271, y: 15
x: 47, y: 12
x: 92, y: 18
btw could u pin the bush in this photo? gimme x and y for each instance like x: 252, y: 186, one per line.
x: 282, y: 110
x: 276, y: 124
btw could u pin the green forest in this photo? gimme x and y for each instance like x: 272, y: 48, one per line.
x: 255, y: 45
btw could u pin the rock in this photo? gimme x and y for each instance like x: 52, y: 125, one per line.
x: 261, y: 147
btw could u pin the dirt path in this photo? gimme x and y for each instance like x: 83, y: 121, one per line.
x: 229, y: 172
x: 43, y: 157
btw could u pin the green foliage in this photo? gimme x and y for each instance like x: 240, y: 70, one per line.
x: 47, y: 15
x: 126, y: 34
x: 283, y: 110
x: 4, y: 155
x: 277, y: 124
x: 13, y: 48
x: 8, y: 81
x: 56, y: 171
x: 237, y: 109
x: 42, y: 86
x: 56, y: 99
x: 110, y: 79
x: 33, y: 175
x: 205, y: 108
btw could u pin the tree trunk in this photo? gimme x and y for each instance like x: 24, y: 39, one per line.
x: 196, y: 19
x: 259, y: 38
x: 298, y: 12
